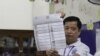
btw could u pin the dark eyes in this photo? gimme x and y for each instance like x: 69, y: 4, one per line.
x: 72, y: 28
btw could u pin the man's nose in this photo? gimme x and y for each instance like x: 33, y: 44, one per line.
x: 69, y: 31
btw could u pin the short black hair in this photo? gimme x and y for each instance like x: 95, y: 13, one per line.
x: 73, y: 18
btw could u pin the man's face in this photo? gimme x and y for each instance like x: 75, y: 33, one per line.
x: 71, y: 32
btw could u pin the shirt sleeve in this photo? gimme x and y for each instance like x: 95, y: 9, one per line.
x: 83, y: 50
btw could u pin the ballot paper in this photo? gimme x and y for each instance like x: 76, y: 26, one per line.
x: 49, y: 32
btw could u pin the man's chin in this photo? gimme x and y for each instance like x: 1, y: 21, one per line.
x: 70, y: 37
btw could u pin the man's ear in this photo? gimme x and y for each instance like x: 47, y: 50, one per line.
x: 79, y: 32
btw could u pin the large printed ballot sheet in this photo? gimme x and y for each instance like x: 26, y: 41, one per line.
x: 49, y: 32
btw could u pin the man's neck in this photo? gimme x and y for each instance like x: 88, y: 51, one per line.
x: 69, y: 43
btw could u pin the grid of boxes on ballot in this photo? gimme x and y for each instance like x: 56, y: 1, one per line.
x: 49, y: 32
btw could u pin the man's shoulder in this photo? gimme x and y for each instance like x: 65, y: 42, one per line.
x: 82, y: 45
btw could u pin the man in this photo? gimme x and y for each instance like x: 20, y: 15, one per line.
x: 74, y: 47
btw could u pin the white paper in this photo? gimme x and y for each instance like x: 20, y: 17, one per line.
x: 49, y: 33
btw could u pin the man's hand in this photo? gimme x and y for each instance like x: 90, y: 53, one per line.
x: 52, y: 52
x: 76, y: 54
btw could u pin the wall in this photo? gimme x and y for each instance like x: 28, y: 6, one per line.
x: 17, y: 14
x: 83, y: 9
x: 40, y: 7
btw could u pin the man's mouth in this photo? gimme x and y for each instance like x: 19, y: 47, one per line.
x: 69, y: 36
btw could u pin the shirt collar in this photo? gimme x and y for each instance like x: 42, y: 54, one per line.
x: 76, y: 43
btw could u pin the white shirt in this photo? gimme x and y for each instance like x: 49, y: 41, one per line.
x: 77, y: 47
